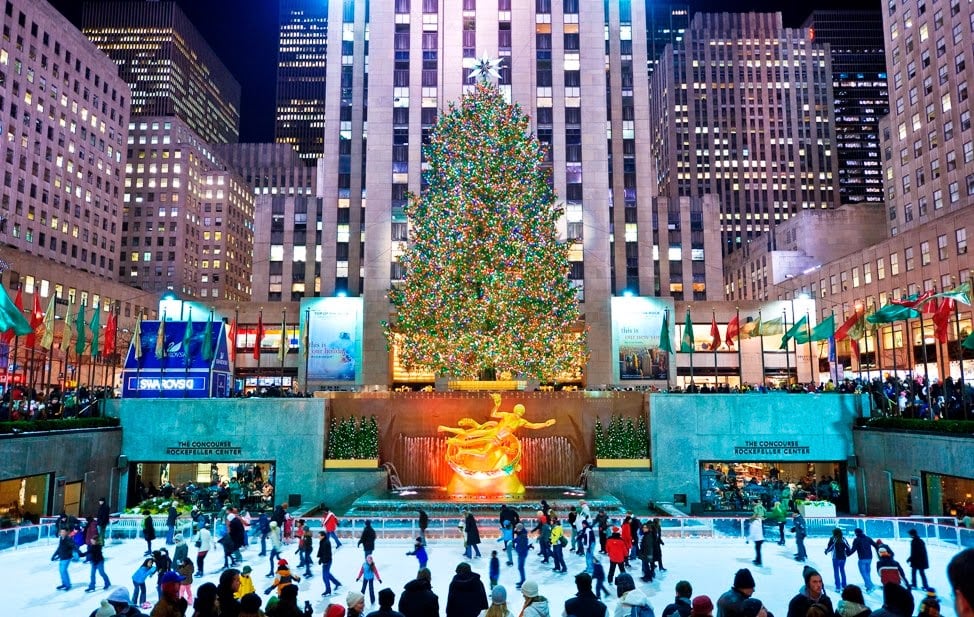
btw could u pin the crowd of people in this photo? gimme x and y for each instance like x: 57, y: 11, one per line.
x: 25, y: 403
x: 630, y: 546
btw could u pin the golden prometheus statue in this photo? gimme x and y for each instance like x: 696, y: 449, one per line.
x: 487, y: 456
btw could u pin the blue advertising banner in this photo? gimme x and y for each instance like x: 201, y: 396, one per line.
x: 636, y: 326
x: 332, y: 329
x: 176, y: 366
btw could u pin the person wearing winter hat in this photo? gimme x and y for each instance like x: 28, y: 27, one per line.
x: 731, y: 603
x: 629, y: 597
x: 333, y: 610
x: 930, y: 605
x: 250, y: 606
x: 276, y: 543
x: 387, y: 598
x: 897, y: 602
x: 889, y: 570
x: 105, y: 610
x: 853, y: 603
x: 170, y: 604
x: 119, y: 599
x: 355, y: 602
x: 535, y: 604
x: 918, y: 560
x: 753, y: 607
x: 467, y: 595
x: 246, y: 583
x: 812, y: 592
x: 702, y: 606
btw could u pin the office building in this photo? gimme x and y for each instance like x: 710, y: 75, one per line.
x: 168, y: 64
x: 301, y: 72
x: 64, y: 113
x: 742, y: 109
x: 860, y: 95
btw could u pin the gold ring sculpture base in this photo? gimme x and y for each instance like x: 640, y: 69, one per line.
x: 486, y: 457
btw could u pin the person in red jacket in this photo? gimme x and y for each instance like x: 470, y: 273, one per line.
x: 626, y: 533
x: 617, y: 550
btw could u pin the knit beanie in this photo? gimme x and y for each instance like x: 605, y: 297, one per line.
x: 808, y: 572
x: 743, y: 579
x: 353, y: 598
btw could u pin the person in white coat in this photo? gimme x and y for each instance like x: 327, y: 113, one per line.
x: 755, y: 534
x: 630, y: 598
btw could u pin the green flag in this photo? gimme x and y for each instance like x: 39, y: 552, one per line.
x: 207, y: 351
x: 95, y: 326
x: 770, y: 327
x: 67, y: 334
x: 686, y: 343
x: 188, y: 339
x: 161, y: 339
x: 79, y: 321
x: 664, y: 334
x: 793, y: 331
x: 824, y: 330
x: 961, y: 293
x: 11, y: 318
x: 891, y: 313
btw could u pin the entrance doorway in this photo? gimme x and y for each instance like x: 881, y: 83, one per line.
x: 902, y: 498
x: 72, y: 498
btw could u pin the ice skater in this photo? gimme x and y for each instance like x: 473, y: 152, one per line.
x: 368, y: 573
x: 755, y: 534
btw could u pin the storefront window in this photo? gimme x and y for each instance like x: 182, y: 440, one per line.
x: 736, y: 486
x: 949, y: 495
x: 208, y: 486
x: 24, y: 500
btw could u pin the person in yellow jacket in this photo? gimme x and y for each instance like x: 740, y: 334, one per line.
x: 246, y: 583
x: 558, y: 544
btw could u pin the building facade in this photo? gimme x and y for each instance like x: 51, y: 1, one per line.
x: 168, y: 64
x: 860, y: 94
x: 188, y: 219
x: 301, y: 72
x: 742, y: 109
x: 64, y: 115
x: 576, y: 69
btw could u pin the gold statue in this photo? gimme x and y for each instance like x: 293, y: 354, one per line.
x: 489, y: 450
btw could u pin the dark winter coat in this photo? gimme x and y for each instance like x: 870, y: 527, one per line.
x: 521, y: 543
x: 918, y: 555
x: 680, y: 606
x: 279, y: 516
x: 65, y: 549
x: 171, y: 516
x: 324, y: 551
x: 367, y: 539
x: 731, y: 604
x: 95, y: 554
x: 148, y: 529
x: 470, y: 526
x: 104, y: 515
x: 467, y: 596
x: 840, y: 550
x: 800, y: 604
x: 863, y: 545
x: 424, y: 520
x: 418, y: 600
x: 237, y: 532
x: 585, y: 604
x: 646, y: 546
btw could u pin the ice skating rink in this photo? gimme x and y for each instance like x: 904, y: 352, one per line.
x: 28, y: 578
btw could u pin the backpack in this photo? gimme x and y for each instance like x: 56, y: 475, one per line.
x: 889, y: 574
x: 642, y: 611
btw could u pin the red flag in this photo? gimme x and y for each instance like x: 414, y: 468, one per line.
x: 733, y: 330
x: 232, y: 335
x: 942, y: 318
x: 913, y: 303
x: 855, y: 349
x: 714, y: 334
x: 36, y: 320
x: 259, y: 335
x: 843, y: 330
x: 9, y: 335
x: 108, y: 349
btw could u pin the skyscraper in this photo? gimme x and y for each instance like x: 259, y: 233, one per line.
x: 861, y: 96
x: 742, y: 109
x: 170, y: 67
x: 301, y: 71
x: 399, y: 63
x: 64, y: 114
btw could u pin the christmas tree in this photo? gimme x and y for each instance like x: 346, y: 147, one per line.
x: 486, y: 286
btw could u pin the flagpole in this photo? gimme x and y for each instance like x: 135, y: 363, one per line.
x: 784, y: 317
x: 186, y: 358
x: 260, y: 326
x: 926, y: 366
x: 692, y: 349
x: 307, y: 348
x: 285, y: 343
x: 740, y: 360
x: 164, y: 357
x: 713, y: 316
x: 761, y: 336
x: 963, y: 388
x: 115, y: 355
x: 811, y: 361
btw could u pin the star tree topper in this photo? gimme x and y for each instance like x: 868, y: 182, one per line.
x: 485, y: 68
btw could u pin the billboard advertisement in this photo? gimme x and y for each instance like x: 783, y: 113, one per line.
x: 333, y: 334
x: 636, y: 326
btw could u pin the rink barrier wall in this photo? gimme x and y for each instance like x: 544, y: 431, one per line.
x: 938, y: 530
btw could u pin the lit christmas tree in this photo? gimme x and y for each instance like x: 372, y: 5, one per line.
x: 486, y: 287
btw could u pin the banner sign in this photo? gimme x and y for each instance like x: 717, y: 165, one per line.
x: 636, y: 326
x: 333, y: 328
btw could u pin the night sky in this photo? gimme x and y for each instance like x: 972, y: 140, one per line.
x: 244, y: 34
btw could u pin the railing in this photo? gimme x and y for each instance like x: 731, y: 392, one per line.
x: 939, y: 530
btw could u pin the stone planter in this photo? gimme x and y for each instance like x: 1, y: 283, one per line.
x: 351, y: 464
x: 623, y: 463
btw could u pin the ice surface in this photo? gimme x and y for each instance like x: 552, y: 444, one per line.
x: 28, y: 578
